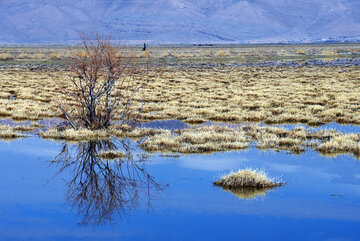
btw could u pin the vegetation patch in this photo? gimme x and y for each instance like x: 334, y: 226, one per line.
x: 247, y: 178
x: 309, y: 94
x: 8, y: 132
x: 74, y: 135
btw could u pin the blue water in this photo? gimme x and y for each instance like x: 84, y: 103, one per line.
x: 40, y: 195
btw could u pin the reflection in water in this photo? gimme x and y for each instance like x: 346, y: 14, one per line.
x: 101, y: 188
x: 248, y: 192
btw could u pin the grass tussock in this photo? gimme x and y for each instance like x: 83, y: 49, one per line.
x: 8, y: 132
x: 247, y: 178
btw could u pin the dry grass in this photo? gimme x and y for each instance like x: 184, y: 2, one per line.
x: 216, y: 138
x: 310, y: 95
x: 74, y: 135
x: 197, y: 140
x: 209, y: 139
x: 8, y: 132
x: 247, y: 178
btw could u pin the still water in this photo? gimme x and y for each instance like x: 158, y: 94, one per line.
x: 53, y: 191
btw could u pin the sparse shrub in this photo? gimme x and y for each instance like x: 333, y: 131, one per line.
x: 102, y: 86
x: 6, y: 56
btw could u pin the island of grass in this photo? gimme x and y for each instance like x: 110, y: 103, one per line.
x: 249, y: 179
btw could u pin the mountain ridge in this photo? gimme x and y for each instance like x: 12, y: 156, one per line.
x: 181, y: 21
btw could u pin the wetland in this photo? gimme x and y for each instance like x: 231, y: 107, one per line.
x: 288, y: 111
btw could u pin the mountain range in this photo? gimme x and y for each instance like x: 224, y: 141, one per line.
x: 180, y: 21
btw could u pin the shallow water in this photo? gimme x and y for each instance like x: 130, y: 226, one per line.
x: 46, y: 196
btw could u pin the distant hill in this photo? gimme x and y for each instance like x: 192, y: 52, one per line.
x: 181, y: 21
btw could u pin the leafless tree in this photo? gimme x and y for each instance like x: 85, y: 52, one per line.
x: 103, y: 84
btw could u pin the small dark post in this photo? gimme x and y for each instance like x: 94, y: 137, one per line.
x: 144, y: 47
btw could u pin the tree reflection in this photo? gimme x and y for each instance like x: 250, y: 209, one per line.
x: 100, y: 188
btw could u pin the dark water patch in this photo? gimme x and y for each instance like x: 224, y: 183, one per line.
x: 49, y: 122
x: 49, y: 188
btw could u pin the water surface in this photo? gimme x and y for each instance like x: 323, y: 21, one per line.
x: 52, y: 191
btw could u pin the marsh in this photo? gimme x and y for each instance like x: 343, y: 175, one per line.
x: 290, y: 112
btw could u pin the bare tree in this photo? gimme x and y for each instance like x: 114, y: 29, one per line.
x: 103, y: 83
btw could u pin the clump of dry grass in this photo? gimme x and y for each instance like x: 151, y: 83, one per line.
x: 8, y: 132
x: 74, y: 135
x: 197, y: 140
x: 247, y: 178
x: 109, y: 155
x: 341, y: 144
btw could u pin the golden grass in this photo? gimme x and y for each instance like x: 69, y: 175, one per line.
x: 215, y: 138
x: 8, y: 132
x: 209, y: 139
x: 310, y: 95
x: 74, y: 135
x: 247, y: 178
x: 197, y: 140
